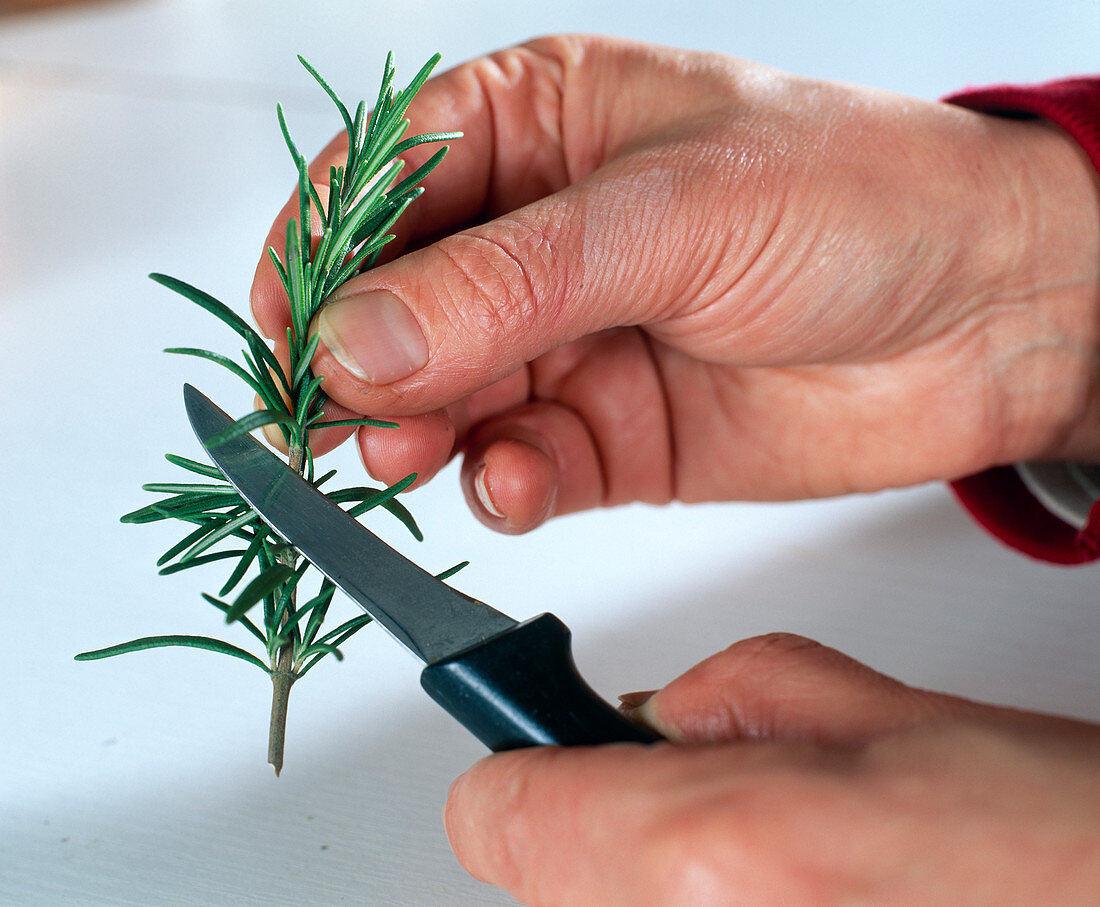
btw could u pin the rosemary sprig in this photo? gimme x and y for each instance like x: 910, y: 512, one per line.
x: 365, y: 199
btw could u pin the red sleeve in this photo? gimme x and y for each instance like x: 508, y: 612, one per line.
x: 997, y: 498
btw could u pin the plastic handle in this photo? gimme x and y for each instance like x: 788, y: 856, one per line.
x: 521, y: 688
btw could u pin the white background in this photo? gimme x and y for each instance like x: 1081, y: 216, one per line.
x: 141, y: 136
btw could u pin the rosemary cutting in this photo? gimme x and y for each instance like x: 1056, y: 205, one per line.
x: 366, y: 197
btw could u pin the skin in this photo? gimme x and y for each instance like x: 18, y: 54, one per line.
x: 798, y: 776
x: 649, y: 274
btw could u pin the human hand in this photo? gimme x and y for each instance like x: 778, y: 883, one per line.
x: 693, y: 277
x: 798, y: 776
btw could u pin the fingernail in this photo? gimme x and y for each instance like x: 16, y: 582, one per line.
x: 646, y: 714
x: 484, y: 496
x: 641, y: 707
x: 373, y: 335
x: 629, y: 701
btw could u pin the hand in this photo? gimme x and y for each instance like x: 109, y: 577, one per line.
x: 798, y: 776
x: 693, y: 277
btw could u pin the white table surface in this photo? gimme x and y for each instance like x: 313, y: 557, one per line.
x: 141, y: 136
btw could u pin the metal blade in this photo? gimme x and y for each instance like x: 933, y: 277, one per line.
x: 424, y: 614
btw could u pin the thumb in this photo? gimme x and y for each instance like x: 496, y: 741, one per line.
x: 439, y: 323
x: 786, y: 687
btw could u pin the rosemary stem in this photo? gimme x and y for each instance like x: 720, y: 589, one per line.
x: 283, y: 677
x: 297, y: 458
x: 365, y: 198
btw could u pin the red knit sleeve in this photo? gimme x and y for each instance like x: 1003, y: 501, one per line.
x: 998, y: 498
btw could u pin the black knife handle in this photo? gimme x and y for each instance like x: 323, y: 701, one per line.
x: 521, y: 688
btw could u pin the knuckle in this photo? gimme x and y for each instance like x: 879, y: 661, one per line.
x: 498, y: 281
x: 559, y: 49
x: 775, y: 645
x: 778, y: 662
x: 533, y: 71
x: 779, y: 649
x: 542, y: 58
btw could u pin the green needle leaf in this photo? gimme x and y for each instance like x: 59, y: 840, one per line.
x: 184, y: 505
x: 309, y: 396
x: 186, y: 542
x: 156, y: 642
x: 324, y: 649
x: 247, y: 557
x: 330, y: 641
x: 352, y: 267
x: 317, y: 608
x: 274, y: 256
x: 223, y: 361
x: 294, y: 153
x: 199, y: 561
x: 405, y: 98
x: 380, y: 497
x: 243, y: 619
x: 388, y: 140
x: 225, y: 529
x: 420, y: 172
x: 306, y: 359
x: 376, y: 423
x: 332, y: 94
x: 284, y: 605
x: 317, y: 483
x: 203, y: 469
x: 402, y: 147
x: 205, y: 300
x: 385, y: 95
x: 399, y: 510
x: 184, y: 488
x: 269, y: 392
x: 262, y: 585
x: 451, y: 571
x: 250, y: 423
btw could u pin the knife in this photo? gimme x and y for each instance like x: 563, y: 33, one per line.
x: 511, y: 684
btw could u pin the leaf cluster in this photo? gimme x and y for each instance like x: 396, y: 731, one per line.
x: 365, y: 198
x: 219, y: 514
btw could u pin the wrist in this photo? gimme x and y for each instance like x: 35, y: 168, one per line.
x: 1042, y: 324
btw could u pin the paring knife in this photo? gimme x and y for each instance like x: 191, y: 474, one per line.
x: 511, y: 684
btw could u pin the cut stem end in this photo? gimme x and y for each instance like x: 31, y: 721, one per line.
x: 281, y: 682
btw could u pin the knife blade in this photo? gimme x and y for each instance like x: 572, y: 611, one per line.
x: 428, y: 617
x: 511, y: 684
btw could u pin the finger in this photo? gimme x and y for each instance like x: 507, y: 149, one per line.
x: 531, y: 463
x: 556, y: 826
x: 511, y: 480
x: 596, y: 434
x: 627, y: 825
x: 786, y: 687
x: 420, y: 444
x: 424, y: 444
